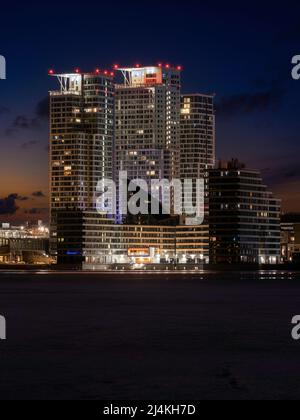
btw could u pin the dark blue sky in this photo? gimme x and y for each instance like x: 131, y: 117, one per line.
x: 242, y: 52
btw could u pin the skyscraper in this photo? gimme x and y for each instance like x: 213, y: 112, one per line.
x: 244, y: 217
x: 197, y: 139
x: 81, y: 141
x: 147, y: 112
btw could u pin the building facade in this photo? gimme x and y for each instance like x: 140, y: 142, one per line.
x: 290, y: 238
x: 24, y: 244
x: 244, y: 217
x: 96, y: 130
x: 81, y: 142
x: 197, y: 140
x: 94, y: 243
x: 147, y: 128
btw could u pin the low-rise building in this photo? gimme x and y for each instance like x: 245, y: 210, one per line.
x: 290, y: 238
x: 244, y: 217
x: 24, y: 244
x: 89, y: 241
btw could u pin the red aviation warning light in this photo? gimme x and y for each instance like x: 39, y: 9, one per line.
x: 159, y: 64
x: 112, y: 74
x: 97, y: 71
x: 179, y: 68
x: 116, y: 66
x: 137, y: 66
x: 167, y: 66
x: 51, y: 72
x: 77, y: 71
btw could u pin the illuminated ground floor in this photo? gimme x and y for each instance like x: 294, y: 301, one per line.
x: 89, y: 241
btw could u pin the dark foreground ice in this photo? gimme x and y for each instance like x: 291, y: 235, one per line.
x: 133, y: 336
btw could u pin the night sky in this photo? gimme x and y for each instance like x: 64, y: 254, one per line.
x: 240, y: 51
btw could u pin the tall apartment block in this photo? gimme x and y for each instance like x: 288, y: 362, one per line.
x: 81, y: 152
x: 197, y: 138
x: 147, y: 113
x: 244, y: 217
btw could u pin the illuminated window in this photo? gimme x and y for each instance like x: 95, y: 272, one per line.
x: 67, y: 170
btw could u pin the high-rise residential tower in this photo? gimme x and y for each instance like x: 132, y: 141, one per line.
x: 197, y: 139
x: 81, y: 141
x: 147, y: 114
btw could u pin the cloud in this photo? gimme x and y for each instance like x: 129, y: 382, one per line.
x: 37, y: 211
x: 20, y: 123
x: 8, y: 205
x: 43, y: 108
x: 280, y: 174
x: 27, y: 145
x: 25, y: 123
x: 248, y: 103
x: 3, y: 110
x: 38, y: 194
x: 21, y: 198
x: 290, y: 172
